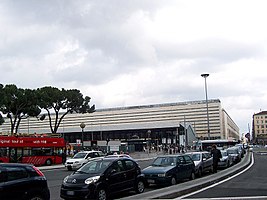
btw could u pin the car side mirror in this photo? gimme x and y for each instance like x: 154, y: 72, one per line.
x: 204, y: 159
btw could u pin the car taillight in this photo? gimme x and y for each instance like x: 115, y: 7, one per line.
x: 38, y: 171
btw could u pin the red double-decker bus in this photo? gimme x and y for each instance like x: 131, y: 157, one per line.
x: 35, y: 150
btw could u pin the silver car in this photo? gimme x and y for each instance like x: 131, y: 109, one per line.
x: 233, y: 151
x: 203, y: 162
x: 226, y: 161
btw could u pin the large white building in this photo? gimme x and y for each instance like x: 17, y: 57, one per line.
x: 160, y: 122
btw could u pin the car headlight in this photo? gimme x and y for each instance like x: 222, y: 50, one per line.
x: 77, y: 162
x: 161, y: 175
x: 65, y: 179
x: 92, y: 180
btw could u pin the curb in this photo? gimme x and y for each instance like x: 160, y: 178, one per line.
x: 181, y: 189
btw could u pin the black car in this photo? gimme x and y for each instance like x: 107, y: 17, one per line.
x: 100, y: 178
x: 169, y: 169
x: 22, y: 181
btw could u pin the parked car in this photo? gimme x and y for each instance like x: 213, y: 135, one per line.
x: 233, y: 151
x: 169, y: 169
x: 102, y: 177
x: 241, y: 149
x: 203, y: 162
x: 22, y: 181
x: 81, y: 158
x: 227, y: 159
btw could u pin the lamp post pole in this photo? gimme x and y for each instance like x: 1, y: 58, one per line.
x: 148, y: 141
x: 206, y: 92
x: 82, y: 125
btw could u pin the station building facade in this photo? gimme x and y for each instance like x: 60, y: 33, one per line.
x: 157, y: 123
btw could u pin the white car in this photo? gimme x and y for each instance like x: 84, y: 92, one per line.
x: 81, y: 158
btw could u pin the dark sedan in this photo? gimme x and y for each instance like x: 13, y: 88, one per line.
x: 169, y: 169
x: 22, y: 181
x: 100, y: 178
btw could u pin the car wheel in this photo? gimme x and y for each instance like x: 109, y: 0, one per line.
x: 48, y: 162
x: 173, y: 181
x: 101, y: 194
x: 69, y: 168
x: 140, y: 186
x: 193, y: 176
x: 199, y: 172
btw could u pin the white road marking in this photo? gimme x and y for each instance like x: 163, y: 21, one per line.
x: 231, y: 198
x: 215, y: 184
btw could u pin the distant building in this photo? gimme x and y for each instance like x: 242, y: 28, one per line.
x: 158, y: 123
x: 259, y: 129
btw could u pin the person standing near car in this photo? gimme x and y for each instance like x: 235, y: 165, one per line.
x: 216, y: 154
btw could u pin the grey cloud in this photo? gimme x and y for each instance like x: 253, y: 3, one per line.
x: 97, y: 26
x: 212, y: 49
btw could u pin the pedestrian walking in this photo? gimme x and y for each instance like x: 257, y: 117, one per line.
x: 64, y: 157
x: 216, y: 154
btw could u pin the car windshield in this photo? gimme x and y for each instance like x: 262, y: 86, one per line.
x: 95, y: 167
x: 80, y: 155
x: 164, y: 161
x: 195, y: 157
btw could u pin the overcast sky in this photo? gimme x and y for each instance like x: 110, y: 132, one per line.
x: 139, y: 52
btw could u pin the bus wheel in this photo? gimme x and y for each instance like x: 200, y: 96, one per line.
x: 48, y: 162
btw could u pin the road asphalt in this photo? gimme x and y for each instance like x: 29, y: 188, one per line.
x: 181, y: 188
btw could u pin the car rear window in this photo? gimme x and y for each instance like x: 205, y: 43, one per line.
x: 2, y: 175
x: 15, y: 173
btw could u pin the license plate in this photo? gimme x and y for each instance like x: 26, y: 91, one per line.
x: 150, y: 181
x: 70, y: 193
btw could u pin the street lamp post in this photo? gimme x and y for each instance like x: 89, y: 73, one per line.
x: 148, y: 141
x: 206, y: 92
x: 82, y: 125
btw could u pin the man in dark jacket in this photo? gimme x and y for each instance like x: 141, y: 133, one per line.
x: 216, y: 154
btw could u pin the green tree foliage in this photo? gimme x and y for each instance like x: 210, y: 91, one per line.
x: 62, y: 102
x: 18, y: 104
